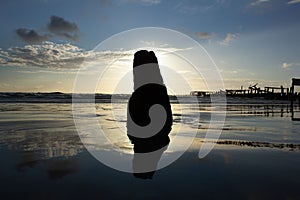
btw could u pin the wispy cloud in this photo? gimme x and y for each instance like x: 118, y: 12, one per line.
x: 258, y: 2
x: 286, y: 65
x: 204, y: 35
x: 4, y: 85
x: 148, y: 2
x: 141, y: 2
x: 105, y: 2
x: 293, y: 2
x: 229, y: 37
x: 192, y: 7
x: 121, y: 2
x: 188, y: 9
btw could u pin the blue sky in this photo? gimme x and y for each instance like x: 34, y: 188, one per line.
x: 251, y: 41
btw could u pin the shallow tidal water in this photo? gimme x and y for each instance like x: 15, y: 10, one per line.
x: 256, y: 157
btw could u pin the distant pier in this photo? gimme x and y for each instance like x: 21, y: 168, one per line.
x: 268, y: 92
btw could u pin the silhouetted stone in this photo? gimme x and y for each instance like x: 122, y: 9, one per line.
x: 140, y: 102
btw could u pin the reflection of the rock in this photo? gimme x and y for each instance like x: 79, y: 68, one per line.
x: 146, y: 157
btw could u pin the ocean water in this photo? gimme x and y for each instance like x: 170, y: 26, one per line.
x: 256, y: 157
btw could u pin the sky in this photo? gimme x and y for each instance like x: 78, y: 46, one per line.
x: 44, y: 42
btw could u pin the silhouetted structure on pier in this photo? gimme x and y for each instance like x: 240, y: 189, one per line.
x: 269, y: 92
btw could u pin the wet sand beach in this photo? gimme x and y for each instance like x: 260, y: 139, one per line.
x: 256, y: 157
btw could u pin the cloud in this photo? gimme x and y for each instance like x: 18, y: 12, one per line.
x: 105, y: 2
x: 146, y: 2
x: 56, y: 27
x: 31, y: 36
x: 4, y: 85
x: 237, y: 72
x: 258, y: 2
x: 120, y: 2
x: 293, y: 2
x: 229, y: 37
x: 47, y: 55
x: 63, y: 28
x: 58, y: 24
x: 65, y: 57
x: 204, y: 35
x: 193, y: 6
x: 286, y: 65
